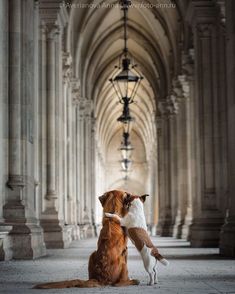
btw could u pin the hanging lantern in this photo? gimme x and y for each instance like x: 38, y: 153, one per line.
x: 126, y: 148
x: 127, y: 81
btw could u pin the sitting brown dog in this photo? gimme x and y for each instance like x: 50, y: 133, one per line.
x: 108, y: 264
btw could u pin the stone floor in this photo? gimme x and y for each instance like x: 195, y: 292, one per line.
x: 196, y: 271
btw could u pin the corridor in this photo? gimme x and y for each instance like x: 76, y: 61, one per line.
x: 191, y: 270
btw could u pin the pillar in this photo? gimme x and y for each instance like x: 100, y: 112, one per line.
x: 5, y: 239
x: 183, y: 158
x: 167, y: 109
x: 19, y: 210
x: 53, y: 19
x: 86, y: 163
x: 227, y: 242
x: 208, y: 216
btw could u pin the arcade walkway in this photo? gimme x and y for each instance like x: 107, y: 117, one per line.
x: 194, y: 271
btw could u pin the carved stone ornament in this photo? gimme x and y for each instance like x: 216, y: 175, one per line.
x: 67, y: 66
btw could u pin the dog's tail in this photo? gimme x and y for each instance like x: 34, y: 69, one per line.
x: 163, y: 260
x: 70, y: 284
x: 159, y: 257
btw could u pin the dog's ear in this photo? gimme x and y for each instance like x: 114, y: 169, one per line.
x: 103, y: 198
x: 127, y: 198
x: 143, y: 197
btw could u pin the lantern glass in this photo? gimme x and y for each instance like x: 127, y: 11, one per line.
x: 126, y: 153
x: 126, y: 164
x: 127, y: 127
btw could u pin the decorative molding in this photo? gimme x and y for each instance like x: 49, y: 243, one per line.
x: 185, y: 86
x: 205, y: 30
x: 188, y: 64
x: 53, y: 12
x: 221, y: 4
x: 201, y: 11
x: 67, y: 68
x: 53, y: 31
x: 16, y: 182
x: 168, y: 107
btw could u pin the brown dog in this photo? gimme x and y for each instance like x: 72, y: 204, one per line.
x: 108, y: 264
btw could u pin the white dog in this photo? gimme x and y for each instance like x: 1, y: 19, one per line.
x: 135, y: 223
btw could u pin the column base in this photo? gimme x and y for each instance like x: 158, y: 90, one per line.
x: 205, y: 232
x: 227, y: 238
x: 86, y: 231
x: 6, y: 252
x: 75, y: 232
x: 187, y: 224
x: 153, y: 229
x: 165, y: 228
x: 186, y: 230
x: 26, y: 235
x: 178, y: 226
x: 56, y: 234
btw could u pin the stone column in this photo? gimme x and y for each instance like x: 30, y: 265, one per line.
x: 51, y: 196
x: 81, y: 159
x: 187, y: 83
x: 153, y: 183
x: 55, y: 234
x: 69, y: 156
x: 89, y: 166
x: 3, y: 101
x: 227, y: 242
x: 19, y: 208
x: 53, y: 17
x: 208, y: 217
x: 86, y: 165
x: 173, y: 162
x: 167, y: 108
x: 73, y: 158
x: 5, y: 239
x: 183, y: 123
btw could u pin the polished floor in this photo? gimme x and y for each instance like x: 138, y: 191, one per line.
x: 195, y: 271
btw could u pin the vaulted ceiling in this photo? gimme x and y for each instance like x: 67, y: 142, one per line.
x: 95, y: 38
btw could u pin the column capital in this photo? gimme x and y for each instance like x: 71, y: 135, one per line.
x: 188, y: 64
x: 168, y: 107
x: 185, y: 86
x: 52, y: 31
x: 202, y: 11
x: 85, y: 107
x: 53, y: 12
x: 67, y: 67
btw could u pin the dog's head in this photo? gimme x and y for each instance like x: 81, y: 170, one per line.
x: 128, y: 200
x: 115, y: 202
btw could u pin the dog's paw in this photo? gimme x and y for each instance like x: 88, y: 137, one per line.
x: 108, y: 214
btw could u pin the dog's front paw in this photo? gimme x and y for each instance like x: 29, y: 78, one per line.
x: 108, y: 214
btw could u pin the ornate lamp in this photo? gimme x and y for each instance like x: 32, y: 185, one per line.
x: 126, y: 147
x: 127, y: 81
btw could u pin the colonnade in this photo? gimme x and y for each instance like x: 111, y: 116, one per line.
x: 52, y: 165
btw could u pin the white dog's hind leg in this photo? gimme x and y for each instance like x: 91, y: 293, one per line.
x: 149, y: 263
x: 151, y: 278
x: 155, y: 275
